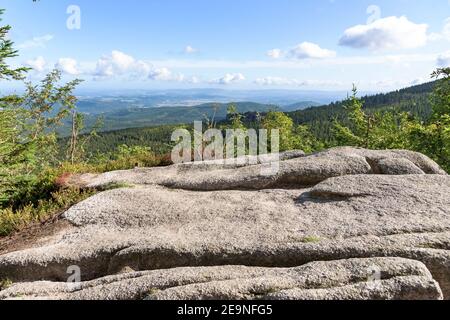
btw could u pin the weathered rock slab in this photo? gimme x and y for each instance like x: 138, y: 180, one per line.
x: 338, y: 280
x: 319, y: 215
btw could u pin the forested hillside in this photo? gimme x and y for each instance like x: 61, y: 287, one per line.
x: 319, y: 119
x: 146, y: 117
x: 156, y: 138
x: 415, y: 100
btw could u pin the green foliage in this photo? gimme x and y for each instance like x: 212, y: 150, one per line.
x: 235, y: 117
x: 5, y: 284
x: 311, y: 239
x: 12, y: 220
x: 391, y: 129
x: 440, y: 99
x: 7, y: 51
x: 378, y: 130
x: 29, y: 131
x: 433, y: 138
x: 115, y: 185
x: 77, y: 144
x: 321, y: 120
x: 304, y: 139
x: 291, y: 136
x: 125, y: 157
x: 158, y: 139
x: 118, y: 118
x: 275, y: 120
x: 13, y: 154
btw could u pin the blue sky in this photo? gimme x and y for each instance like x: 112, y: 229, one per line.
x: 237, y: 44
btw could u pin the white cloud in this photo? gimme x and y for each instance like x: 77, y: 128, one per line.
x: 68, y: 65
x: 308, y: 50
x: 446, y: 30
x: 39, y: 64
x: 115, y: 64
x: 275, y: 53
x: 36, y: 42
x: 190, y: 50
x: 322, y: 83
x: 229, y: 78
x: 443, y: 59
x: 164, y: 74
x: 160, y: 74
x: 193, y: 80
x: 443, y: 35
x: 280, y: 81
x: 289, y: 64
x: 386, y: 33
x: 274, y: 81
x: 118, y: 64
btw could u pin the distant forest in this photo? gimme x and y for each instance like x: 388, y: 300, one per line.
x: 415, y: 100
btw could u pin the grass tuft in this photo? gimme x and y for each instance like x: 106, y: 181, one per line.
x: 311, y: 239
x: 5, y: 284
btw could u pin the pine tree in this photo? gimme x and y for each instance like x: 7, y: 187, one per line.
x: 433, y: 138
x: 28, y: 124
x: 12, y: 154
x: 388, y: 129
x: 6, y: 52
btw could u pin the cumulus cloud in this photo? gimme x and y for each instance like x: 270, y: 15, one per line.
x: 443, y: 59
x: 229, y: 78
x: 190, y: 50
x: 39, y: 64
x: 275, y: 53
x: 68, y: 66
x: 164, y: 74
x: 304, y: 50
x: 160, y: 74
x: 308, y: 50
x: 119, y: 64
x: 386, y: 33
x: 36, y: 42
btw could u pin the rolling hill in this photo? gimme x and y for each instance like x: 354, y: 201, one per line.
x: 146, y: 117
x: 412, y: 99
x: 152, y: 127
x: 300, y: 106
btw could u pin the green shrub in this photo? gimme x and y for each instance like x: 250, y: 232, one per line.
x: 16, y: 219
x: 5, y: 284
